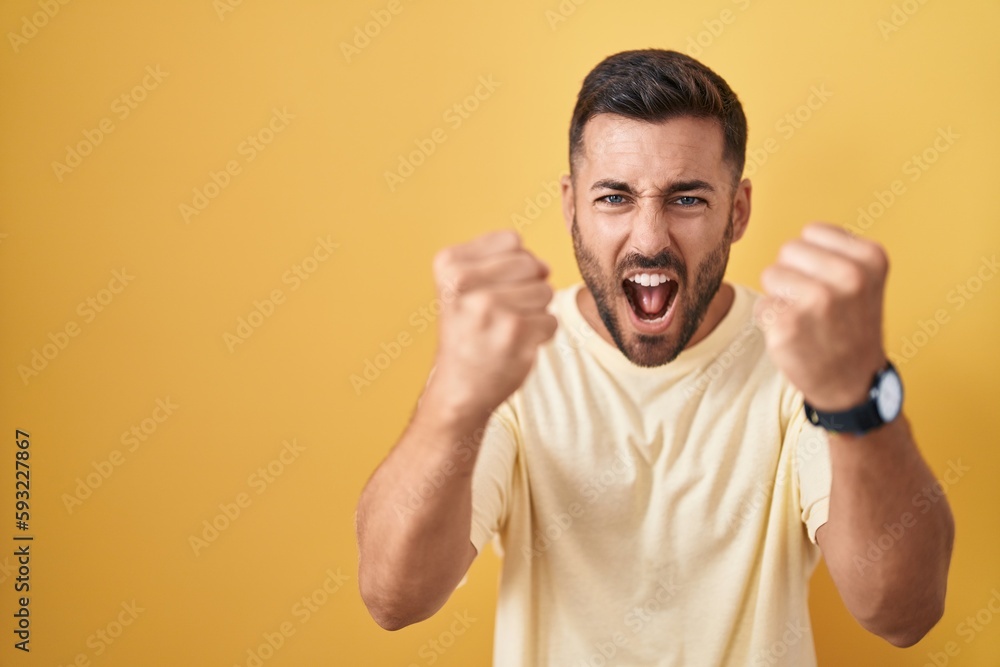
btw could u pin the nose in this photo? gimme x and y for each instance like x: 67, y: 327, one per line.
x: 650, y: 232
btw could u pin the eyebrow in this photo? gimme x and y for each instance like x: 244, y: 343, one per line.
x: 694, y: 185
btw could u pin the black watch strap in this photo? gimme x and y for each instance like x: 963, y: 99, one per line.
x: 859, y: 419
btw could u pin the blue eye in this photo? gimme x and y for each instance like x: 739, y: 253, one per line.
x: 688, y: 201
x: 613, y: 199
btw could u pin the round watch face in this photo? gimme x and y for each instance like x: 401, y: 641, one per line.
x: 890, y: 396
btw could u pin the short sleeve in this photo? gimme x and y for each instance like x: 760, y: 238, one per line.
x: 492, y: 476
x: 812, y: 469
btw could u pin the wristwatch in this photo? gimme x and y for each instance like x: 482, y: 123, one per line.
x: 884, y: 403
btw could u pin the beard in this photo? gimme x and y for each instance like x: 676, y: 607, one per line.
x: 695, y: 294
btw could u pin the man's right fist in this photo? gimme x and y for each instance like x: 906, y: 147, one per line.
x: 490, y: 330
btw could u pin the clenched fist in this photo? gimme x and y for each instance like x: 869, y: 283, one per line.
x: 824, y: 295
x: 492, y: 324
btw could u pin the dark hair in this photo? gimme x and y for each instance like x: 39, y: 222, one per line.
x: 655, y: 85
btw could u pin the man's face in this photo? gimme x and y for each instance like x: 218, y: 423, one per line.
x: 652, y: 213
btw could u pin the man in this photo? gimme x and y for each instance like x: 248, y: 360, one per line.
x: 639, y: 443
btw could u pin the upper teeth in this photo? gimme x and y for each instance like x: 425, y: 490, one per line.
x: 649, y: 279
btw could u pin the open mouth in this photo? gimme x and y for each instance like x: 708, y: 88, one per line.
x: 650, y: 295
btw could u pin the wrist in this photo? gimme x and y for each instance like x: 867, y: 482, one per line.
x: 454, y: 397
x: 451, y: 407
x: 452, y: 421
x: 836, y: 397
x: 881, y: 405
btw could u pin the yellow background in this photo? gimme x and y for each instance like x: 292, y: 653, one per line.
x: 323, y: 176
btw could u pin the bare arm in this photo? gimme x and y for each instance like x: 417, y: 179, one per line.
x: 414, y: 518
x: 415, y: 514
x: 888, y: 555
x: 828, y: 341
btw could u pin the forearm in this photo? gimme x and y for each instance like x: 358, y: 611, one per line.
x: 888, y: 556
x: 415, y: 514
x: 414, y: 518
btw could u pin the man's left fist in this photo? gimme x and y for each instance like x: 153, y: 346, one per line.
x: 824, y: 331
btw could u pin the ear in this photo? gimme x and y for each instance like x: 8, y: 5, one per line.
x: 568, y: 203
x: 741, y: 208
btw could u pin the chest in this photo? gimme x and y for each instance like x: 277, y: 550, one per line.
x: 655, y: 473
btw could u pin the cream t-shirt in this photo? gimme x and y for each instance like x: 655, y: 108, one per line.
x: 652, y: 516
